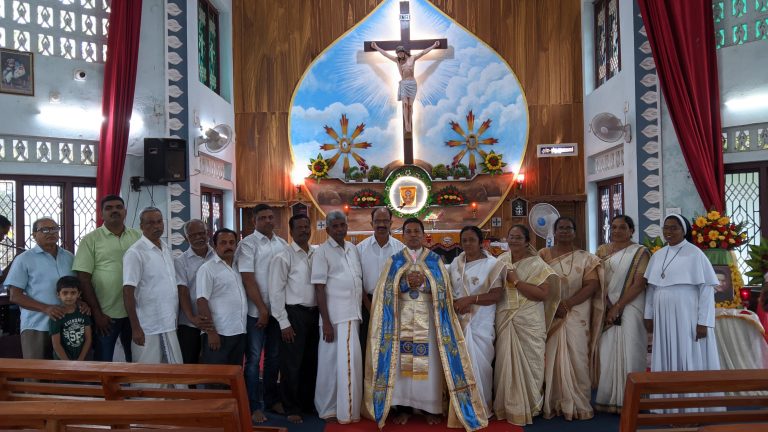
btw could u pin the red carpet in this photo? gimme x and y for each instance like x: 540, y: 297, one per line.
x: 416, y: 424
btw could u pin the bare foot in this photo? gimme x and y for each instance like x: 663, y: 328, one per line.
x: 278, y: 408
x: 295, y: 419
x: 258, y: 417
x: 433, y: 419
x: 401, y: 418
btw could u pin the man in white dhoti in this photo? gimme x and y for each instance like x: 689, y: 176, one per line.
x: 337, y: 276
x: 406, y: 90
x: 416, y: 347
x: 680, y: 303
x: 374, y: 253
x: 150, y: 294
x: 476, y: 279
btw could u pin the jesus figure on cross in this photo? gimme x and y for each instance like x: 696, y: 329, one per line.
x: 406, y: 91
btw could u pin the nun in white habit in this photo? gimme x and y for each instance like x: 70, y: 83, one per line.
x: 680, y: 303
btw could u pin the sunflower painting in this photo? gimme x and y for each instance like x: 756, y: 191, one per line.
x: 345, y: 144
x: 471, y: 140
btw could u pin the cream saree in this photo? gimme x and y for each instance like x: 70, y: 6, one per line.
x: 521, y: 333
x: 570, y: 354
x: 623, y: 347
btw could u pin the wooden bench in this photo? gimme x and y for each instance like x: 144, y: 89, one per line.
x: 165, y: 387
x: 741, y: 408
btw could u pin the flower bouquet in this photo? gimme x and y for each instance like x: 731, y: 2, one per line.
x: 653, y: 244
x: 367, y: 198
x: 449, y: 195
x: 716, y: 231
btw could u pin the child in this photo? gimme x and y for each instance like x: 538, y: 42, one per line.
x: 70, y: 335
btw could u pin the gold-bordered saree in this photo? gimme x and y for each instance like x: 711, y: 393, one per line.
x: 571, y: 355
x: 521, y: 334
x: 385, y: 347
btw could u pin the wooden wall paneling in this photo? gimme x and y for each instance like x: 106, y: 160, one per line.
x: 276, y: 40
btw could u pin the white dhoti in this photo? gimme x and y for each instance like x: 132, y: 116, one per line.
x: 339, y: 388
x: 406, y: 89
x: 158, y: 348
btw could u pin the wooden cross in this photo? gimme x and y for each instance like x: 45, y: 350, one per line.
x: 409, y: 44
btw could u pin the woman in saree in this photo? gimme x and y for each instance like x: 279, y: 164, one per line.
x: 531, y: 295
x: 624, y: 342
x: 476, y: 279
x: 572, y: 338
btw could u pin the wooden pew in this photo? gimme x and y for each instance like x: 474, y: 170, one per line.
x: 49, y: 381
x: 744, y: 408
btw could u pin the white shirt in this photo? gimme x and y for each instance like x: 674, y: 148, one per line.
x: 222, y: 286
x: 289, y: 282
x: 254, y: 254
x: 373, y: 257
x: 187, y: 265
x: 338, y: 267
x: 150, y: 269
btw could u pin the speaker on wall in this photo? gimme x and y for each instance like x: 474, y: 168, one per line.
x: 165, y: 160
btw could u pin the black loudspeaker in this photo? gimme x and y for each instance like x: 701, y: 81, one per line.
x: 165, y: 160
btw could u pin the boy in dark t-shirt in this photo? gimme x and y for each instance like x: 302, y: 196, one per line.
x: 70, y: 335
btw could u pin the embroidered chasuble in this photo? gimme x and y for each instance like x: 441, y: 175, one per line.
x: 400, y: 332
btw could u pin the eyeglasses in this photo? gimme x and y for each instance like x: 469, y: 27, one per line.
x: 49, y: 230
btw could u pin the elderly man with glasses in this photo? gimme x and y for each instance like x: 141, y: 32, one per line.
x: 32, y: 285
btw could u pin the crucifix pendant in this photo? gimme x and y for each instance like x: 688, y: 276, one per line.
x: 662, y: 275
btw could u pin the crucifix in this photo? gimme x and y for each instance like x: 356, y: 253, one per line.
x: 405, y: 63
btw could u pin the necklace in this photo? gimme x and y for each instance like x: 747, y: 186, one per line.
x: 665, y: 265
x: 569, y: 268
x: 613, y: 252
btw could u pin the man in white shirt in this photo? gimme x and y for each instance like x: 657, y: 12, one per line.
x: 293, y: 304
x: 221, y: 299
x: 374, y: 253
x: 253, y: 257
x: 187, y: 265
x: 150, y: 294
x: 337, y: 276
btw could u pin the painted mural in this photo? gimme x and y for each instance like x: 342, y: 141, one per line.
x: 409, y: 110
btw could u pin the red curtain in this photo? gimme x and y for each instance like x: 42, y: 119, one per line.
x: 682, y: 38
x: 117, y: 99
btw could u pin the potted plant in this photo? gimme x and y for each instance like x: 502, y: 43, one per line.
x: 375, y: 174
x: 440, y: 171
x: 758, y: 262
x: 461, y: 171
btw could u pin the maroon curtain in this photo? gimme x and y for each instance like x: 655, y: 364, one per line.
x: 682, y: 38
x: 117, y: 99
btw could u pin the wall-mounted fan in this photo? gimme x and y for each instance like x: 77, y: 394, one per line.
x: 609, y: 128
x: 216, y: 139
x: 542, y: 219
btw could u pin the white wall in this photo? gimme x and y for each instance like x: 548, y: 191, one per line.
x: 207, y: 109
x: 612, y: 97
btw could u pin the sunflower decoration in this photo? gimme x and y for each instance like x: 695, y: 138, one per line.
x: 345, y: 144
x: 318, y: 168
x: 471, y: 141
x: 493, y: 163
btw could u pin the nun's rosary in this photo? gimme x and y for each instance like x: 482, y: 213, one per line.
x: 665, y: 265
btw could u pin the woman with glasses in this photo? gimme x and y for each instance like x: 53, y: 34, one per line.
x: 531, y: 295
x: 476, y: 279
x: 573, y: 336
x: 680, y: 303
x: 624, y: 342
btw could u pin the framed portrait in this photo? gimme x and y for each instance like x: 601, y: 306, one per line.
x: 18, y: 72
x: 408, y: 195
x: 724, y: 291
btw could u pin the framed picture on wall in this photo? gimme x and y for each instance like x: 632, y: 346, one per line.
x: 724, y: 291
x: 18, y: 72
